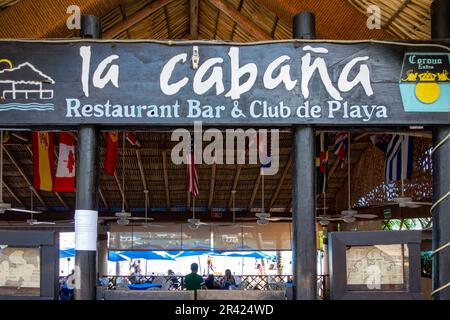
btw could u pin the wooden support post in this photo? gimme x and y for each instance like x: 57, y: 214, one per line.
x: 303, y: 214
x: 440, y: 214
x: 304, y: 259
x: 86, y: 201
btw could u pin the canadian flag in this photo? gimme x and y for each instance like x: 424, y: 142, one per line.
x: 65, y: 173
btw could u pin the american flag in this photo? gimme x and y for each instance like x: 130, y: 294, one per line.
x: 191, y: 173
x: 341, y: 146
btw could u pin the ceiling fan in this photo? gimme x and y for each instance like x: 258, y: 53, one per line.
x: 407, y: 202
x: 234, y: 223
x: 263, y: 218
x: 145, y: 224
x: 31, y: 221
x: 349, y: 215
x: 7, y: 206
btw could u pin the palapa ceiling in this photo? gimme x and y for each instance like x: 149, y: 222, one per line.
x: 230, y: 20
x: 236, y: 20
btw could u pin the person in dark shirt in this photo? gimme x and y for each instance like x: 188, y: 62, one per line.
x: 210, y: 283
x: 193, y: 281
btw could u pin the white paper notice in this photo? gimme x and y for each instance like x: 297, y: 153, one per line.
x: 86, y: 230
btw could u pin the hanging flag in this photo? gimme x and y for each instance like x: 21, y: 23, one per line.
x: 341, y: 147
x: 321, y: 161
x: 381, y: 141
x: 43, y: 160
x: 398, y: 163
x: 132, y: 139
x: 398, y: 155
x: 6, y: 137
x: 112, y: 152
x: 191, y: 172
x: 65, y: 172
x: 265, y: 155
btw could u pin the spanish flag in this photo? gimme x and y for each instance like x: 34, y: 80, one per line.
x: 43, y: 160
x: 112, y: 151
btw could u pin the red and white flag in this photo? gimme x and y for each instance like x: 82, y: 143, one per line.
x: 132, y: 139
x: 191, y: 174
x: 65, y: 172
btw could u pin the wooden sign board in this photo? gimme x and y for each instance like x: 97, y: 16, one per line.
x: 67, y: 83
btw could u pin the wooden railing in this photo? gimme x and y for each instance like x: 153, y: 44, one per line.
x: 244, y: 282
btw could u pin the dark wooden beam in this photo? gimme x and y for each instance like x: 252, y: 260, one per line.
x: 280, y: 182
x: 246, y: 23
x: 212, y: 186
x: 13, y: 194
x: 135, y: 18
x: 193, y: 20
x: 102, y: 197
x: 166, y: 179
x: 119, y: 185
x: 255, y: 190
x: 25, y: 177
x: 141, y: 168
x: 235, y: 182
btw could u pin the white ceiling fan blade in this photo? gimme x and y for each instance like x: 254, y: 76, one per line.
x: 140, y: 218
x: 418, y: 203
x: 23, y: 210
x: 365, y: 216
x: 43, y: 222
x: 150, y: 225
x: 279, y: 219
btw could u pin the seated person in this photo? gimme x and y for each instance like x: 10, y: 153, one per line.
x: 211, y: 283
x: 193, y: 281
x: 228, y: 280
x: 174, y: 283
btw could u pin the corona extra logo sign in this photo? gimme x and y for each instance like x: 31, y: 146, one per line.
x: 425, y: 82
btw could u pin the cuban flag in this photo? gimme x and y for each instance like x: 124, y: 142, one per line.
x: 341, y: 146
x: 398, y: 161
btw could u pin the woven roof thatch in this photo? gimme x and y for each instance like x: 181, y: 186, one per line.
x: 171, y: 19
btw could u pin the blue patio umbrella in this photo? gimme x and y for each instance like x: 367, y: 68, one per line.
x: 248, y: 254
x: 147, y: 255
x: 66, y: 253
x: 195, y: 253
x: 115, y: 256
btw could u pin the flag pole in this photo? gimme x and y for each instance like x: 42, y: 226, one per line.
x: 348, y: 172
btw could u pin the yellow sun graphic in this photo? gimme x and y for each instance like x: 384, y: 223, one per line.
x: 6, y: 61
x: 427, y: 92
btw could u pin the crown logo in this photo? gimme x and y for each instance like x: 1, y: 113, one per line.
x: 427, y: 76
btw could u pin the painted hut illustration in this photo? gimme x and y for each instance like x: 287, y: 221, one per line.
x: 25, y: 82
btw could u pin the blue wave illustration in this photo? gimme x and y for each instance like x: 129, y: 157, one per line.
x: 27, y: 106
